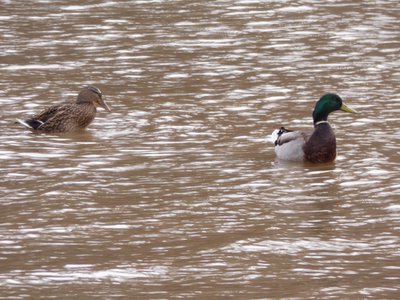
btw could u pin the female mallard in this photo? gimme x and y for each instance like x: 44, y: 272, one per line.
x: 318, y: 146
x: 69, y: 116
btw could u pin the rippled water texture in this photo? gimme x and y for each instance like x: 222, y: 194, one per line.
x: 177, y: 193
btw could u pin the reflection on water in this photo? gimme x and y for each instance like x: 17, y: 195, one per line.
x: 177, y: 193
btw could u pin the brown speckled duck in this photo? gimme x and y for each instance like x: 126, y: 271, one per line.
x: 318, y: 146
x: 69, y: 117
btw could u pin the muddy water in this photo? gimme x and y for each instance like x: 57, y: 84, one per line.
x: 177, y: 192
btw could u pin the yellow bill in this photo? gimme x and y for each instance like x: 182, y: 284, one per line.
x: 344, y: 107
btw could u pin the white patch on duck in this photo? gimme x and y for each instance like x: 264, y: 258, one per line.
x: 289, y: 144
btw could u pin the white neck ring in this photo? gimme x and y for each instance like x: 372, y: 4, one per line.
x: 321, y: 122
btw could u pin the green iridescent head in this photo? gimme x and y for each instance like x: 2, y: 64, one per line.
x: 329, y: 103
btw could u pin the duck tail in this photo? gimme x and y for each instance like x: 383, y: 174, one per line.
x: 277, y: 133
x: 30, y: 123
x: 274, y: 136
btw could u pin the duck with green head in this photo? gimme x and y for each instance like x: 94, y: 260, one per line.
x: 68, y: 117
x: 318, y: 146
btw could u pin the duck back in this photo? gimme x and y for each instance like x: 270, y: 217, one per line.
x: 64, y: 117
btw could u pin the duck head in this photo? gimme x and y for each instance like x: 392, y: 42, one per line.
x: 329, y: 103
x: 93, y: 95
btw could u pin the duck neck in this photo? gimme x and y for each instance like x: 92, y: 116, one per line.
x: 321, y: 122
x: 319, y: 117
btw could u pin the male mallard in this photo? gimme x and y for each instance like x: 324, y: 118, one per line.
x: 69, y: 116
x: 318, y: 146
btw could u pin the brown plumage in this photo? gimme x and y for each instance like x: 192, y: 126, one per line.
x: 321, y: 146
x: 69, y: 116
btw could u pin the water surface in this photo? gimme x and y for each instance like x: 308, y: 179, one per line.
x: 177, y: 193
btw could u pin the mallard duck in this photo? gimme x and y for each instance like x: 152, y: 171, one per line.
x: 318, y: 146
x: 68, y: 116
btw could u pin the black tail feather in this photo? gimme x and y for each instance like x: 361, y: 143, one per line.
x: 31, y: 123
x: 35, y: 124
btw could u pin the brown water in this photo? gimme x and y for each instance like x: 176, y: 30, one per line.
x: 177, y: 193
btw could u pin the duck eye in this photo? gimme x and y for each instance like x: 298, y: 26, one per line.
x: 95, y: 90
